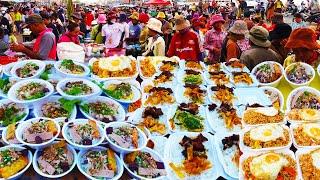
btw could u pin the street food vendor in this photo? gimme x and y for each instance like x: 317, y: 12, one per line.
x: 184, y: 43
x: 45, y: 46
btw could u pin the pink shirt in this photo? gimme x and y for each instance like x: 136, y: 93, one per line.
x: 67, y: 37
x: 214, y: 39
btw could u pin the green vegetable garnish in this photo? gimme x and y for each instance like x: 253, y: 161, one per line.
x: 189, y: 121
x: 74, y: 91
x: 10, y: 115
x: 36, y: 95
x: 4, y: 85
x: 68, y: 105
x: 98, y: 108
x: 120, y: 91
x: 193, y: 79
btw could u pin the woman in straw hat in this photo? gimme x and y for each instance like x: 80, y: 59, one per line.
x: 303, y: 43
x: 230, y: 48
x: 156, y: 45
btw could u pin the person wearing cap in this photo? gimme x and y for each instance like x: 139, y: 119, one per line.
x: 156, y: 45
x: 303, y: 43
x: 89, y: 18
x: 166, y: 28
x: 230, y: 47
x: 144, y: 35
x: 113, y: 32
x: 134, y: 29
x: 78, y: 19
x: 279, y: 37
x: 45, y: 46
x: 260, y: 48
x: 298, y: 22
x: 72, y: 35
x: 184, y: 43
x: 214, y: 38
x: 47, y: 21
x: 96, y: 31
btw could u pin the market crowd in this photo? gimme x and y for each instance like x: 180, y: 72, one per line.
x: 204, y: 32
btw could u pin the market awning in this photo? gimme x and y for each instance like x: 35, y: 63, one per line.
x: 158, y: 2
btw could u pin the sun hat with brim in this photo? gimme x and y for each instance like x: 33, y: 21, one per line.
x: 161, y: 15
x: 303, y: 38
x: 143, y: 18
x: 155, y: 25
x: 181, y: 23
x: 102, y: 19
x: 32, y: 19
x: 281, y: 31
x: 111, y: 15
x: 77, y: 16
x: 216, y: 18
x: 134, y: 16
x: 259, y: 36
x: 239, y: 27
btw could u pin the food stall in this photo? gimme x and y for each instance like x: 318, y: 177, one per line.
x: 158, y: 117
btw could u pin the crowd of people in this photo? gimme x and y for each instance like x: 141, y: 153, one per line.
x: 207, y: 32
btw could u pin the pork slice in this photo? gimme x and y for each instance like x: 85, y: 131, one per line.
x: 13, y: 141
x: 151, y: 171
x: 46, y: 167
x: 106, y: 173
x: 119, y: 140
x: 74, y: 135
x: 69, y: 157
x: 44, y: 136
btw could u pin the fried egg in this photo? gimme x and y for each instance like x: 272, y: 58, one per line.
x: 267, y: 111
x: 267, y: 132
x: 267, y: 166
x: 312, y: 130
x: 114, y: 63
x: 316, y: 158
x: 310, y: 114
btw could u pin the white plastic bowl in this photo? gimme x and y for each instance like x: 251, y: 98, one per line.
x: 20, y: 64
x: 7, y: 68
x: 12, y: 93
x: 61, y: 84
x: 21, y: 172
x: 269, y: 88
x: 86, y: 72
x: 26, y: 109
x: 297, y: 90
x: 136, y: 91
x: 142, y: 138
x: 274, y: 83
x: 38, y: 106
x: 24, y: 125
x: 67, y: 137
x: 37, y: 169
x: 294, y: 126
x: 98, y: 148
x: 154, y: 154
x: 121, y: 115
x: 309, y: 70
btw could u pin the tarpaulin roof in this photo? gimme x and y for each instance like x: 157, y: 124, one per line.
x: 158, y: 2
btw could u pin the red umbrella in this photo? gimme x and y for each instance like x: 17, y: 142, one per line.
x: 158, y: 2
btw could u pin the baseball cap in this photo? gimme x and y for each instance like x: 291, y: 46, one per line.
x: 32, y: 19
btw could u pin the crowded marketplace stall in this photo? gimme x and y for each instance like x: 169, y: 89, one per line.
x: 158, y: 90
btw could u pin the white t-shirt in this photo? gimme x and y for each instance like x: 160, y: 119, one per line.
x: 113, y: 34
